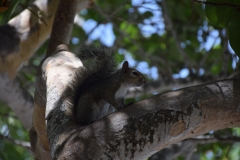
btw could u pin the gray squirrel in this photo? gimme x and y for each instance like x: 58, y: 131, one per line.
x: 104, y: 87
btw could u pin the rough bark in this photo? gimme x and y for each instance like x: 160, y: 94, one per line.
x: 142, y: 129
x: 63, y: 23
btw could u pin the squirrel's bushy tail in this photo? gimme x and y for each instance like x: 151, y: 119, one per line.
x: 98, y: 62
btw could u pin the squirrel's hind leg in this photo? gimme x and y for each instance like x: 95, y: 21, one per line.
x: 87, y: 110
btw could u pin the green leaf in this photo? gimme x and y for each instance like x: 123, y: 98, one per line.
x: 119, y: 58
x: 216, y: 69
x: 7, y: 14
x: 220, y: 16
x: 234, y: 35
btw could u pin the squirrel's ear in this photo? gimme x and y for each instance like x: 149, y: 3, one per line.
x: 124, y: 67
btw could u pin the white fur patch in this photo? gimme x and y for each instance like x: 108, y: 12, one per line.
x: 103, y: 107
x: 121, y: 92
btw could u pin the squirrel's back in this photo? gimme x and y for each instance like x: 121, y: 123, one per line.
x: 99, y: 63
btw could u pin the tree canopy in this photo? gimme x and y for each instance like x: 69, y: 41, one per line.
x: 176, y: 44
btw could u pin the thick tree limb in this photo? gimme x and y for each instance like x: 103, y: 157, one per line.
x: 150, y: 125
x: 38, y: 134
x: 63, y: 23
x: 141, y: 129
x: 20, y: 101
x: 32, y: 32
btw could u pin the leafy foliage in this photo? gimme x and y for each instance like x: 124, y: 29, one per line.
x: 225, y: 14
x: 11, y: 9
x: 12, y: 128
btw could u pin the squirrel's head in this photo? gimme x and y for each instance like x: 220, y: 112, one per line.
x: 132, y: 77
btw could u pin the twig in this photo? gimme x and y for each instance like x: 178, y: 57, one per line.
x: 229, y: 149
x: 34, y: 13
x: 120, y: 31
x: 174, y: 34
x: 37, y: 16
x: 226, y: 53
x: 202, y: 61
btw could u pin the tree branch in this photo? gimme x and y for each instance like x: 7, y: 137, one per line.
x: 32, y: 32
x: 18, y: 99
x: 148, y: 126
x: 119, y: 30
x: 141, y: 129
x: 63, y: 24
x: 38, y: 134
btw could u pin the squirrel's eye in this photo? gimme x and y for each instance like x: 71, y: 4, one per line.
x: 135, y: 73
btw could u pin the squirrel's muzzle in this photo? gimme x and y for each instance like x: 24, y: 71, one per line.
x: 141, y: 82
